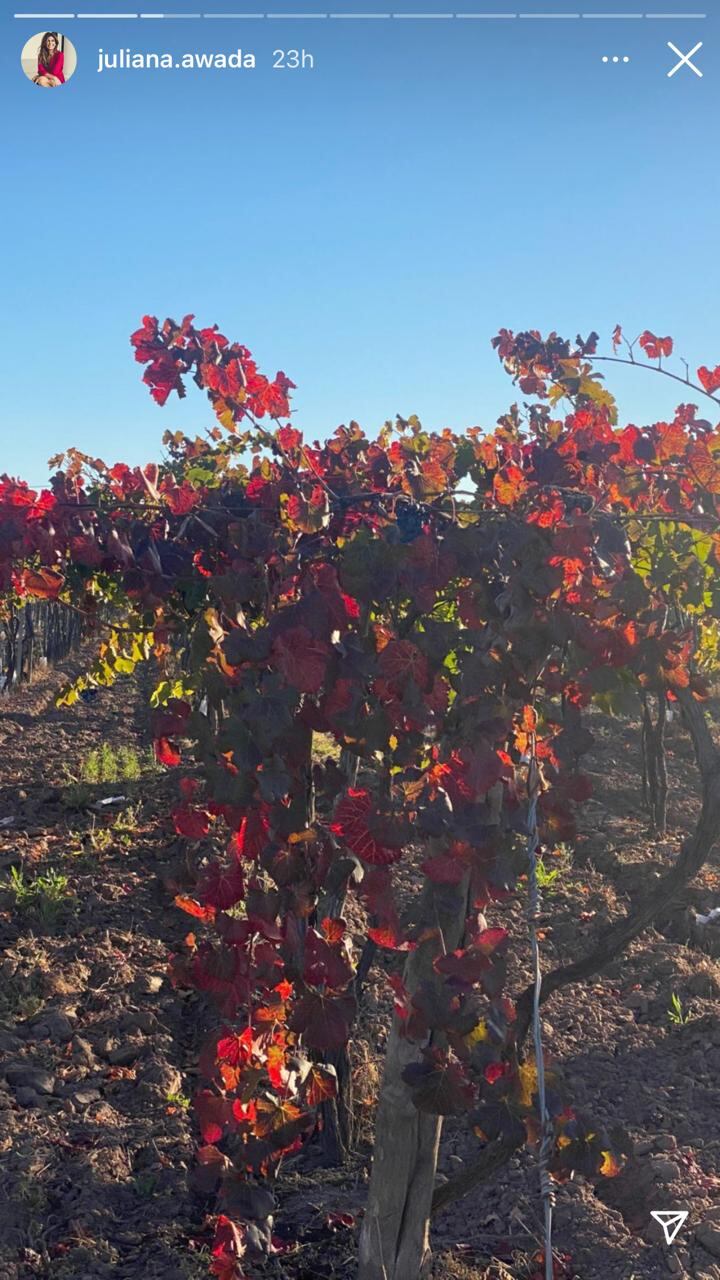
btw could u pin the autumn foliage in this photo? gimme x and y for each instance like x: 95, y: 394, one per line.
x: 444, y: 607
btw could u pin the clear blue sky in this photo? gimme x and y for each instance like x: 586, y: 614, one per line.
x: 367, y: 226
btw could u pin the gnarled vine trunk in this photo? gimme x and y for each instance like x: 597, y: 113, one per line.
x: 654, y: 777
x: 394, y: 1242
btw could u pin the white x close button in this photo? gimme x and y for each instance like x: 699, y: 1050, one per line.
x: 685, y: 59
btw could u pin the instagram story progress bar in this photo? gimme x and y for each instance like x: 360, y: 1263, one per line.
x: 557, y: 16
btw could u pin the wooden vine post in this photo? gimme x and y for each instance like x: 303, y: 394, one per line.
x: 395, y: 1235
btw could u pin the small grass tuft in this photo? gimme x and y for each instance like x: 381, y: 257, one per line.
x: 546, y: 876
x: 178, y: 1100
x: 677, y: 1014
x: 47, y: 896
x: 109, y: 764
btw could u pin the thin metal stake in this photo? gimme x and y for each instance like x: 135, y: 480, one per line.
x: 546, y: 1126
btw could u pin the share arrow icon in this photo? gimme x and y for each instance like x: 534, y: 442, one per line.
x: 671, y: 1220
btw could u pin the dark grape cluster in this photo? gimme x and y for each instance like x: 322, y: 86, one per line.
x: 409, y: 520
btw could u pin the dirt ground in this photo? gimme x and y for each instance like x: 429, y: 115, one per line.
x: 97, y: 1052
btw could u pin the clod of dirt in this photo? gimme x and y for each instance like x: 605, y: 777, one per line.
x: 28, y: 1077
x: 708, y: 1232
x: 149, y: 983
x: 26, y: 1097
x: 52, y: 1025
x: 84, y: 1097
x: 123, y: 1054
x: 82, y: 1051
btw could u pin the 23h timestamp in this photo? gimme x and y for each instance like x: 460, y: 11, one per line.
x: 293, y: 60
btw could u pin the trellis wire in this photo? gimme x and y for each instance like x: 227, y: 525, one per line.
x: 547, y: 1135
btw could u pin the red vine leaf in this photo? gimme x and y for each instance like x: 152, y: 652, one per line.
x: 709, y: 378
x: 166, y: 753
x: 320, y: 1084
x: 440, y: 1084
x: 352, y: 823
x: 194, y: 908
x: 655, y: 348
x: 228, y: 1249
x: 509, y: 485
x: 213, y: 1113
x: 43, y: 584
x: 301, y: 659
x: 323, y: 1021
x: 390, y: 937
x: 194, y: 823
x: 221, y: 886
x: 326, y: 963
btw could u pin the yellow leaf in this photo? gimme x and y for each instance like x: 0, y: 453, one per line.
x: 609, y: 1167
x: 302, y: 837
x: 527, y: 1082
x: 478, y: 1034
x: 214, y: 626
x: 67, y: 697
x: 226, y: 418
x: 600, y: 396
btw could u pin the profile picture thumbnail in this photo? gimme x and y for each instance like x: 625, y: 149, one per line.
x: 49, y: 59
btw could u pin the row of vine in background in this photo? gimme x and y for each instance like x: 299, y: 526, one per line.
x: 445, y: 607
x: 34, y: 635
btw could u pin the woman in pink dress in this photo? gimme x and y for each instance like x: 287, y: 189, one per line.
x: 50, y: 62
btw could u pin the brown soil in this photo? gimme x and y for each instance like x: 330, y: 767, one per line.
x: 97, y: 1051
x: 93, y: 1155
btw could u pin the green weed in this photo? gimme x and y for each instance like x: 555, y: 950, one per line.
x: 105, y: 765
x: 676, y: 1013
x: 127, y: 821
x: 178, y: 1100
x: 101, y: 839
x: 546, y: 876
x: 109, y: 764
x: 46, y: 896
